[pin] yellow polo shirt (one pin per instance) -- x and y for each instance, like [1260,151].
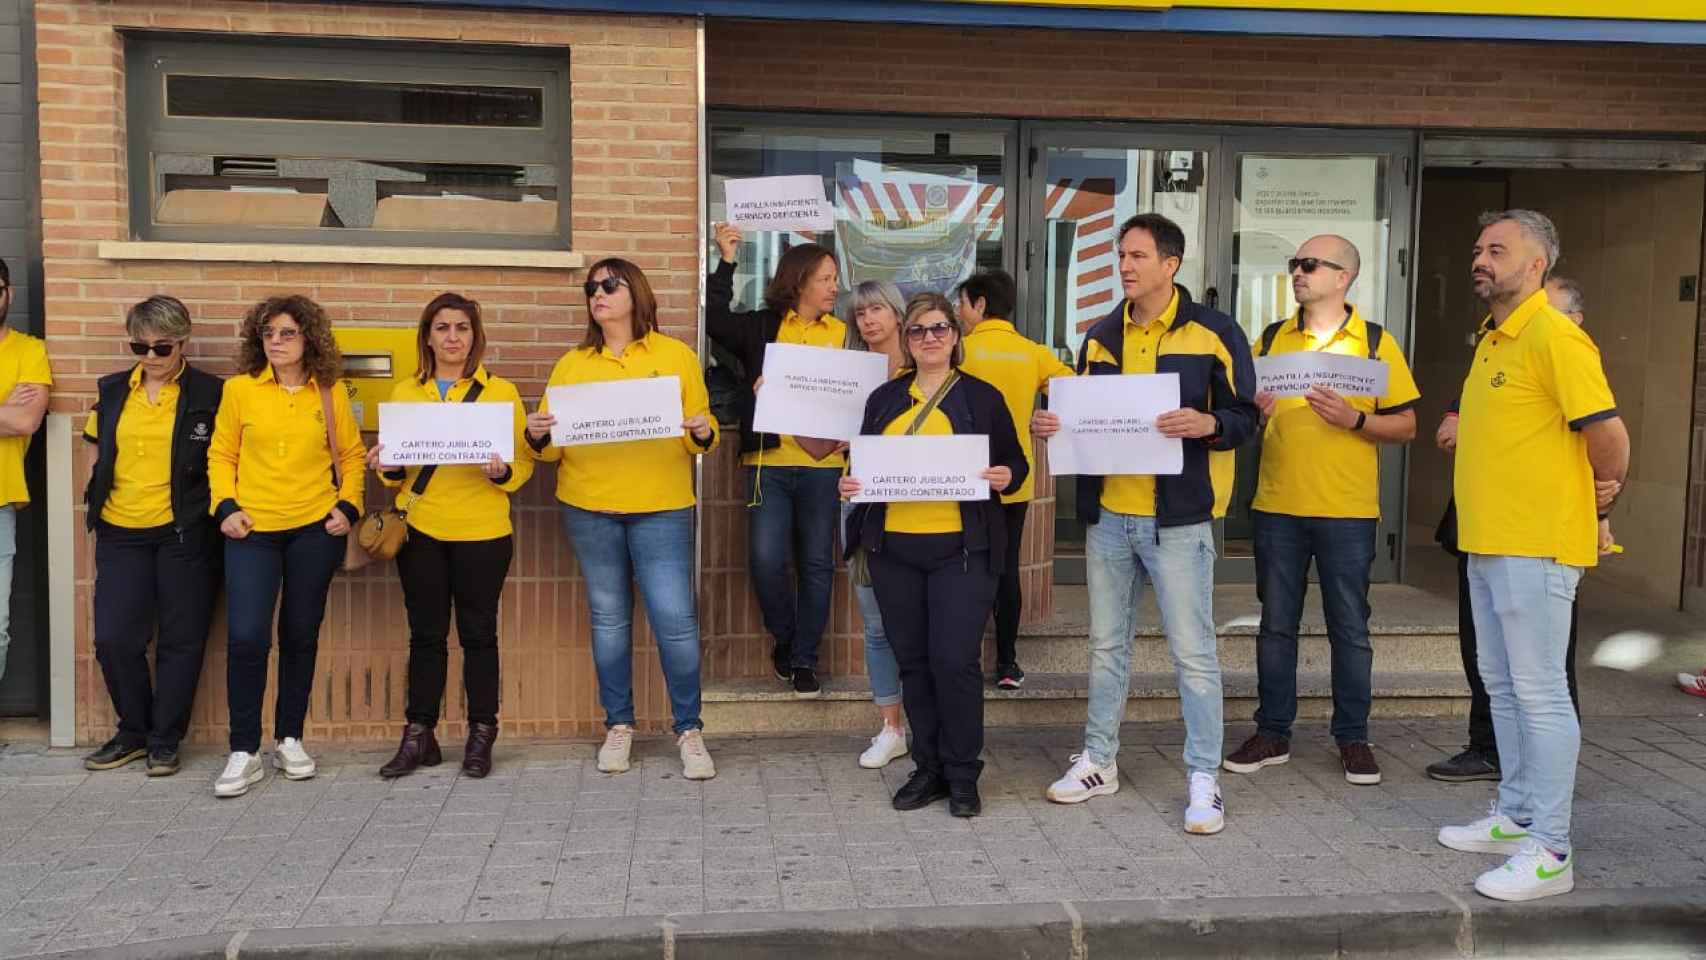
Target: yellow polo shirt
[825,331]
[23,359]
[1135,495]
[269,452]
[1523,483]
[1311,468]
[923,516]
[638,476]
[1020,368]
[460,502]
[141,496]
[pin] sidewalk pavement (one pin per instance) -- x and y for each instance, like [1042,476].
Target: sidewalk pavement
[93,860]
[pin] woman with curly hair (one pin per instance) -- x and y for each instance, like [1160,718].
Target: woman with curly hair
[285,503]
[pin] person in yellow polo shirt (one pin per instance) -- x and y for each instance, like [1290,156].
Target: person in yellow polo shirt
[1318,499]
[628,511]
[934,564]
[24,382]
[793,507]
[285,505]
[460,540]
[1020,368]
[156,549]
[1539,428]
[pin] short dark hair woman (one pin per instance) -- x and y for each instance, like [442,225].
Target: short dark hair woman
[934,564]
[156,550]
[285,504]
[460,540]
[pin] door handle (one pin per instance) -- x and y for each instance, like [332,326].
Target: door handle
[1211,298]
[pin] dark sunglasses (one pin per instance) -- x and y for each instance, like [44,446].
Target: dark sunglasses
[162,349]
[608,285]
[938,331]
[1308,264]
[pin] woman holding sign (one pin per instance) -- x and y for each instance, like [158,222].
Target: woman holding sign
[460,540]
[628,504]
[935,564]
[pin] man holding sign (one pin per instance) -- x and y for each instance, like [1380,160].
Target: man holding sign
[1318,497]
[1160,525]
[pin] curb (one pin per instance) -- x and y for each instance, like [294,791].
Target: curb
[1646,923]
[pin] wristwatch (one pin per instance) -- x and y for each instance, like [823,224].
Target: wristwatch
[1362,418]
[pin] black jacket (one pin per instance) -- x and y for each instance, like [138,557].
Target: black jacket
[972,407]
[1209,352]
[192,430]
[745,335]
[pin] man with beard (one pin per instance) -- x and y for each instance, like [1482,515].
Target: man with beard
[1318,498]
[24,382]
[1538,428]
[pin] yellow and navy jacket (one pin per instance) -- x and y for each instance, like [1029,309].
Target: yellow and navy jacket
[192,434]
[1211,355]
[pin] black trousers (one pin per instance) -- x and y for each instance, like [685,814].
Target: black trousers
[469,575]
[1480,708]
[143,578]
[935,598]
[1009,593]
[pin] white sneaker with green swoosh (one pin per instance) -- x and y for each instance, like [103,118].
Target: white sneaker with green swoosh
[1533,873]
[1493,833]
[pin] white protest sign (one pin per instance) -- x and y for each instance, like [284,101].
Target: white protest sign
[422,433]
[1292,374]
[779,203]
[1107,425]
[920,468]
[816,391]
[615,411]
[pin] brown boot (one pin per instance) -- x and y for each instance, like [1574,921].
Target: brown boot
[477,757]
[418,749]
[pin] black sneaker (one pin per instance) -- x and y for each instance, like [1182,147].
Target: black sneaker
[1009,677]
[806,686]
[963,800]
[113,754]
[782,661]
[921,790]
[1471,764]
[163,761]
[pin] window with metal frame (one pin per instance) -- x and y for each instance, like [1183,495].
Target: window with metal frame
[262,140]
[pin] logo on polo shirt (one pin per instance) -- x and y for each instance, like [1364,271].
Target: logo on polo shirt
[1499,379]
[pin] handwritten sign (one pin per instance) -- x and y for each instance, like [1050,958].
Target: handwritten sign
[1292,374]
[920,468]
[615,411]
[1107,425]
[779,203]
[421,433]
[816,391]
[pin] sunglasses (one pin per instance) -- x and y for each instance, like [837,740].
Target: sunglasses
[285,334]
[1308,264]
[162,349]
[608,285]
[938,331]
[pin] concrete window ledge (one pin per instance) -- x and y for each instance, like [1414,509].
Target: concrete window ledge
[315,253]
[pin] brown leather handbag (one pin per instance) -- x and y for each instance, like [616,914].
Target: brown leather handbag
[383,531]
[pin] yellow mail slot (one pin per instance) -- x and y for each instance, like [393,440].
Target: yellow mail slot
[376,359]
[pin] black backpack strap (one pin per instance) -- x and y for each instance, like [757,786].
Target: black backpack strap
[425,476]
[1269,333]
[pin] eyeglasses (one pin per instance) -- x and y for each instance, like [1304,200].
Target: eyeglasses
[1308,264]
[285,334]
[161,348]
[608,285]
[937,331]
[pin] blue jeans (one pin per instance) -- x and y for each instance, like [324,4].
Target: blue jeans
[1343,550]
[301,562]
[1522,623]
[880,665]
[795,516]
[656,549]
[1119,551]
[8,551]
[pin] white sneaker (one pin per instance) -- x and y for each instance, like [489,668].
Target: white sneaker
[289,757]
[1084,780]
[242,771]
[888,745]
[1533,873]
[1206,812]
[613,756]
[1493,833]
[695,759]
